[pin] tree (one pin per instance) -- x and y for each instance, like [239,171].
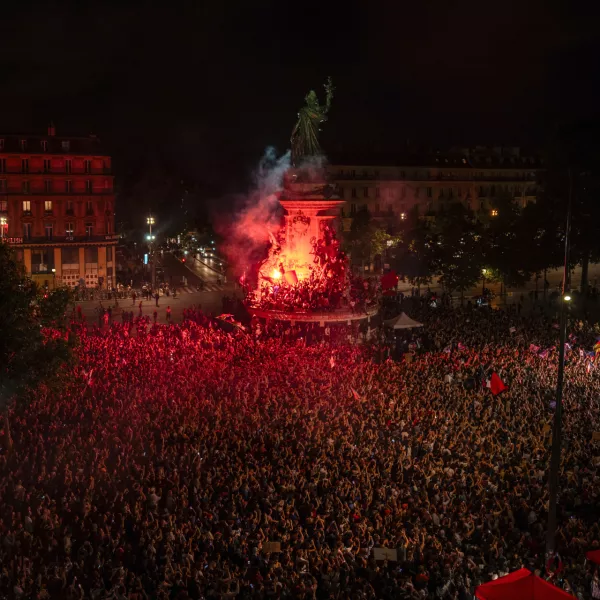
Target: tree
[27,356]
[573,170]
[360,237]
[505,248]
[419,255]
[461,260]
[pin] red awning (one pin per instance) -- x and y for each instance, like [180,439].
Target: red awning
[520,585]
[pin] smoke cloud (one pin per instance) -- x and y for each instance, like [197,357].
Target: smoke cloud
[256,216]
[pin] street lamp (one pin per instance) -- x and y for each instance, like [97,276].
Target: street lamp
[483,273]
[150,221]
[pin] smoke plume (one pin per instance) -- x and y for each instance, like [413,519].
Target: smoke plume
[256,216]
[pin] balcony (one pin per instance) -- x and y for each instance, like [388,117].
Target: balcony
[64,239]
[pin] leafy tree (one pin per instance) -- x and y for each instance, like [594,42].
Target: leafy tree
[573,169]
[26,355]
[461,258]
[419,256]
[360,237]
[506,244]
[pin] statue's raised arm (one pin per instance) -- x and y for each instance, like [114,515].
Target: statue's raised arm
[305,136]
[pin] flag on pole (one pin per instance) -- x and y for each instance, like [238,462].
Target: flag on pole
[356,395]
[533,348]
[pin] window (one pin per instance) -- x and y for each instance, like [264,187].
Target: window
[69,229]
[68,164]
[354,192]
[47,165]
[48,206]
[44,145]
[88,166]
[49,229]
[2,144]
[429,192]
[366,192]
[48,185]
[493,190]
[25,165]
[66,145]
[3,206]
[377,192]
[450,192]
[70,207]
[352,209]
[2,185]
[23,144]
[89,208]
[353,173]
[403,193]
[27,206]
[89,229]
[88,186]
[341,192]
[25,187]
[441,192]
[68,186]
[2,165]
[377,207]
[109,254]
[27,231]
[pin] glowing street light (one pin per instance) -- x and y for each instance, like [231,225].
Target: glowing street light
[483,274]
[494,213]
[567,298]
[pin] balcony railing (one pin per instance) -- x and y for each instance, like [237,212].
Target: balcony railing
[66,239]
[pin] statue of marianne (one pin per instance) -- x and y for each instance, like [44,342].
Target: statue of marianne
[305,136]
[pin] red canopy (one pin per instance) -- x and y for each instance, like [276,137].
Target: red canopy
[594,556]
[520,585]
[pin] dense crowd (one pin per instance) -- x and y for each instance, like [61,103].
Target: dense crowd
[183,462]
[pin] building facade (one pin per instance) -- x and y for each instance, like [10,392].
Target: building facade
[57,208]
[430,183]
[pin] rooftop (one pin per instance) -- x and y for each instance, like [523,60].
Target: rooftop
[32,144]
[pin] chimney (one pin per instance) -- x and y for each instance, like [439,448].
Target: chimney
[51,130]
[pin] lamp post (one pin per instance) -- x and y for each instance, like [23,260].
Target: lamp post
[557,425]
[483,273]
[150,221]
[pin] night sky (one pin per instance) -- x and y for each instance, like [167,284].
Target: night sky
[205,86]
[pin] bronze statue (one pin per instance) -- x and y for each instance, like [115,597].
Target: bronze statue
[305,136]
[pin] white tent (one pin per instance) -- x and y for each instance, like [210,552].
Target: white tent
[402,321]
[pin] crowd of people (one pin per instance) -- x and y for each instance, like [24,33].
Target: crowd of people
[186,462]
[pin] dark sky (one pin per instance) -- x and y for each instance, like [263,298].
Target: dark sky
[209,84]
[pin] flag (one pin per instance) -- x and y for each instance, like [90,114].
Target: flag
[355,394]
[496,384]
[588,367]
[447,349]
[597,347]
[461,346]
[512,329]
[543,353]
[332,361]
[533,348]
